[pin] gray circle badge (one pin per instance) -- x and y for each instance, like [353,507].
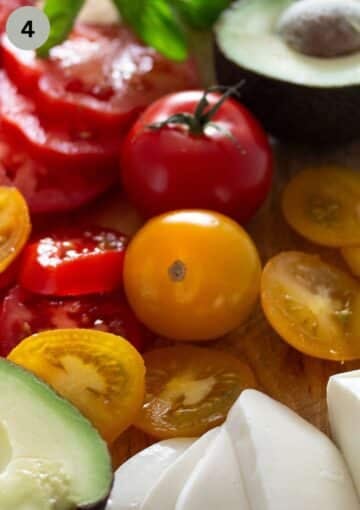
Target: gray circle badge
[28,28]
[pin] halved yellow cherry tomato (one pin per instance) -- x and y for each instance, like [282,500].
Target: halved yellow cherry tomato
[351,255]
[189,390]
[100,373]
[323,205]
[15,225]
[314,306]
[192,275]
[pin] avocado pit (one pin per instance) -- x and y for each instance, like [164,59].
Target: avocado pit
[322,28]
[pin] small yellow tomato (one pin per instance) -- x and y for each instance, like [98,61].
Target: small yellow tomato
[313,306]
[190,390]
[322,205]
[192,275]
[15,225]
[100,373]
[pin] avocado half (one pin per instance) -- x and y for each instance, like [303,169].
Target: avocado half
[50,455]
[296,96]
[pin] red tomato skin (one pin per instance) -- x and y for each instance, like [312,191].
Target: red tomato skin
[91,273]
[9,276]
[110,83]
[23,70]
[46,188]
[229,169]
[53,144]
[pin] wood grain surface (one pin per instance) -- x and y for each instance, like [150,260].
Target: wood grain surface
[283,373]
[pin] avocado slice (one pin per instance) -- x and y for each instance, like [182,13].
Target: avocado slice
[51,458]
[297,94]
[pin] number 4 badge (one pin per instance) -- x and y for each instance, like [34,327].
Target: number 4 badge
[28,28]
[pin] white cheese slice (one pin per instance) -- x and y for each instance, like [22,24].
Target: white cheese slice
[166,492]
[216,481]
[135,479]
[344,414]
[286,463]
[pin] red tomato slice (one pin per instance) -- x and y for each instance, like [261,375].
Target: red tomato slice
[23,314]
[48,190]
[102,75]
[74,262]
[9,276]
[54,144]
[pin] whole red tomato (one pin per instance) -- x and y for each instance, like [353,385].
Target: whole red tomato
[196,150]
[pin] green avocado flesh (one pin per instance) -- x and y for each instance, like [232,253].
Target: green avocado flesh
[51,458]
[248,35]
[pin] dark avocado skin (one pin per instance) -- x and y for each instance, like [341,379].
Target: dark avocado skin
[316,116]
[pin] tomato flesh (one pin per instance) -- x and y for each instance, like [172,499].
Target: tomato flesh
[227,168]
[45,188]
[313,306]
[351,256]
[100,373]
[190,390]
[101,76]
[74,262]
[51,143]
[23,314]
[322,204]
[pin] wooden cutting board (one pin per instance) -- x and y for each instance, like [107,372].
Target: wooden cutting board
[283,373]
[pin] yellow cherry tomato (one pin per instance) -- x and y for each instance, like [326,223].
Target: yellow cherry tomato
[192,275]
[351,255]
[190,390]
[15,225]
[322,205]
[314,306]
[100,373]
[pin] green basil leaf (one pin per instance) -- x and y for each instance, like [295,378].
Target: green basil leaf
[156,24]
[200,14]
[62,15]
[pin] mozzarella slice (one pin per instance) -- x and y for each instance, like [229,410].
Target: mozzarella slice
[135,479]
[166,491]
[287,463]
[344,414]
[216,481]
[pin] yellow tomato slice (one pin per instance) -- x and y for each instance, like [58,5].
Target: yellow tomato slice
[313,306]
[192,275]
[15,225]
[323,205]
[189,390]
[351,255]
[100,373]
